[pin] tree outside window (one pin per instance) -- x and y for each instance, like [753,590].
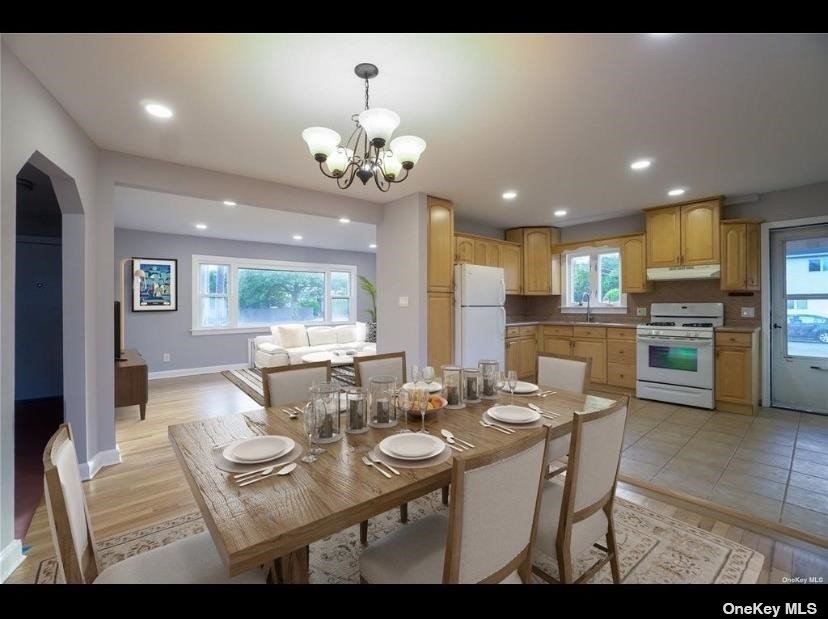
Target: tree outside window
[595,272]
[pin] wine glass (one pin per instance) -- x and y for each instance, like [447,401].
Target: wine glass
[405,402]
[415,374]
[499,382]
[309,419]
[422,400]
[428,374]
[511,378]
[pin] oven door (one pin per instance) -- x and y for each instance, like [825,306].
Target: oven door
[675,361]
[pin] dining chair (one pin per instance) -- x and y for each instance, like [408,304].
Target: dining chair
[577,512]
[289,384]
[489,531]
[193,559]
[567,374]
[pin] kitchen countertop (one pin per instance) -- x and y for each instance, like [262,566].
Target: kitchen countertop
[622,325]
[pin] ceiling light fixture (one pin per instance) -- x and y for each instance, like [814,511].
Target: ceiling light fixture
[344,220]
[158,110]
[560,212]
[229,203]
[372,246]
[201,226]
[510,195]
[365,154]
[678,191]
[297,237]
[660,34]
[641,164]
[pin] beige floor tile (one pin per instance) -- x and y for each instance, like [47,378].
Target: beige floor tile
[684,483]
[808,499]
[773,473]
[775,436]
[812,432]
[771,448]
[629,441]
[665,447]
[707,471]
[685,419]
[813,420]
[634,468]
[667,436]
[704,455]
[813,444]
[765,412]
[712,447]
[807,467]
[748,502]
[714,436]
[810,456]
[653,412]
[751,483]
[678,429]
[763,457]
[647,455]
[809,482]
[731,418]
[638,424]
[805,519]
[726,427]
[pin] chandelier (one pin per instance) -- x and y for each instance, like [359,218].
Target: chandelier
[365,154]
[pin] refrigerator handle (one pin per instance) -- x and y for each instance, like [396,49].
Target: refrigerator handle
[503,292]
[503,322]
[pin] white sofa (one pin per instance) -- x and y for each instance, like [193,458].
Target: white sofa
[287,344]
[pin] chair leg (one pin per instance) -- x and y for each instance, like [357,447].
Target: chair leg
[564,566]
[363,532]
[404,513]
[445,495]
[613,549]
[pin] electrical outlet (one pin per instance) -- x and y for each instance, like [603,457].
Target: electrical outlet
[403,301]
[640,311]
[748,312]
[166,357]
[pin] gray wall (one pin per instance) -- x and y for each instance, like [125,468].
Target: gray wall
[470,226]
[795,203]
[154,334]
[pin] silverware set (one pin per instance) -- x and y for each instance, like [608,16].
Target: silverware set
[251,477]
[498,427]
[292,411]
[457,444]
[372,460]
[543,412]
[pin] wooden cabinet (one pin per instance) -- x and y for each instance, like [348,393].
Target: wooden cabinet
[621,357]
[463,249]
[558,345]
[555,285]
[740,255]
[596,350]
[521,351]
[131,382]
[528,355]
[513,355]
[634,264]
[537,255]
[440,245]
[492,253]
[683,234]
[510,261]
[737,372]
[440,329]
[486,253]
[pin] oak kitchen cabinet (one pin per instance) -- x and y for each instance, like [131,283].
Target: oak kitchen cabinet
[740,254]
[463,249]
[494,253]
[486,253]
[683,234]
[511,260]
[737,372]
[634,264]
[440,282]
[521,351]
[440,329]
[537,257]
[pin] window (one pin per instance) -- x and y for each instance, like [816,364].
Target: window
[593,273]
[801,304]
[817,264]
[239,293]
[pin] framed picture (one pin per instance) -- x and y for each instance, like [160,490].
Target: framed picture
[156,290]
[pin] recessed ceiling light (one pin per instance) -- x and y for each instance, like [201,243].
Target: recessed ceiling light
[372,246]
[560,212]
[158,110]
[660,34]
[201,226]
[678,191]
[510,195]
[297,237]
[641,164]
[229,203]
[344,220]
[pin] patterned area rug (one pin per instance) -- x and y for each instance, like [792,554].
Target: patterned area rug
[249,380]
[653,549]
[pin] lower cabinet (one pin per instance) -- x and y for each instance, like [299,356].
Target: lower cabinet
[528,355]
[440,329]
[522,351]
[558,346]
[737,372]
[596,350]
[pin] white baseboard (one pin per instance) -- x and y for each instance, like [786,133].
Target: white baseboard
[213,369]
[10,557]
[98,461]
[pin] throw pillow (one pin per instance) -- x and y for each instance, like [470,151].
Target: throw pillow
[346,334]
[317,336]
[293,336]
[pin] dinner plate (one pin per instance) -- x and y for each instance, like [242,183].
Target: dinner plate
[258,449]
[511,413]
[411,446]
[433,386]
[521,387]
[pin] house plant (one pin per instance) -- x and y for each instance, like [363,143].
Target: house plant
[371,325]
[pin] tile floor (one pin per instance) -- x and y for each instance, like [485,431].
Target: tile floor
[773,465]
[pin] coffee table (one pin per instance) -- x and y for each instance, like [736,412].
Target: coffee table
[329,355]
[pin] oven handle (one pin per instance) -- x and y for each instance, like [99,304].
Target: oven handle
[673,340]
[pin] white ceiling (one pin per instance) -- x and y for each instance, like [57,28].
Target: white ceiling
[556,117]
[139,209]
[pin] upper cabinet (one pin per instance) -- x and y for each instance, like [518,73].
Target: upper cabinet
[510,260]
[492,253]
[634,264]
[537,257]
[486,253]
[740,254]
[440,245]
[683,234]
[463,249]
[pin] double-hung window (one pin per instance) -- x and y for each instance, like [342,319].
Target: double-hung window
[592,274]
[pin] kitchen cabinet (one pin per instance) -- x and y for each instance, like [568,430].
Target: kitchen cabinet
[737,372]
[521,351]
[596,350]
[510,261]
[486,253]
[537,257]
[555,285]
[493,253]
[463,249]
[634,264]
[621,357]
[440,243]
[440,329]
[740,255]
[683,234]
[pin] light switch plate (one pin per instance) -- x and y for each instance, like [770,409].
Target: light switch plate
[641,311]
[403,302]
[166,357]
[748,312]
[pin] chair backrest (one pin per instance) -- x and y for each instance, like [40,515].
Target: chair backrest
[68,514]
[495,496]
[389,364]
[289,384]
[565,373]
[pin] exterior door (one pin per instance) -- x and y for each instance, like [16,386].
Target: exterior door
[799,318]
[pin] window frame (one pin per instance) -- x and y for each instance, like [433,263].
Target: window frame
[270,265]
[594,253]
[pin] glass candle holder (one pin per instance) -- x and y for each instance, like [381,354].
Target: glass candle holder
[452,386]
[356,411]
[324,406]
[471,385]
[489,369]
[382,392]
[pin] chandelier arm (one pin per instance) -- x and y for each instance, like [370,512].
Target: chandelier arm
[321,169]
[350,180]
[379,185]
[399,180]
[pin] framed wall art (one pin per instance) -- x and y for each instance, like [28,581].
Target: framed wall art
[155,285]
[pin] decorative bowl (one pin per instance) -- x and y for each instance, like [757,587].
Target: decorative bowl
[439,403]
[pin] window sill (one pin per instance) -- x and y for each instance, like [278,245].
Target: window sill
[229,330]
[594,310]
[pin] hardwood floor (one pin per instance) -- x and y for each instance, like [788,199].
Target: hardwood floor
[149,485]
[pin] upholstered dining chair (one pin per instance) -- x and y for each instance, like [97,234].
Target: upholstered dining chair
[387,364]
[567,374]
[193,559]
[289,384]
[577,512]
[488,533]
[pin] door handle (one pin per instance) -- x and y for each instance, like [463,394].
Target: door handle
[776,325]
[816,367]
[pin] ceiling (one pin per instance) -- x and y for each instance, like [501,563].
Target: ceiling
[558,118]
[139,209]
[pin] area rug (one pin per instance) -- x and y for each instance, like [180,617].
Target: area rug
[653,548]
[249,380]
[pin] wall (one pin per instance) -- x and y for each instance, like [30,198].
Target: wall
[798,202]
[153,334]
[470,226]
[629,224]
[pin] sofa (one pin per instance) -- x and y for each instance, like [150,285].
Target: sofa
[287,344]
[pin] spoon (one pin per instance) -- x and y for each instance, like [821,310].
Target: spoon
[285,470]
[494,427]
[369,463]
[267,470]
[451,437]
[290,413]
[543,412]
[454,444]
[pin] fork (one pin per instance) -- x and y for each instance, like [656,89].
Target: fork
[290,413]
[369,463]
[494,427]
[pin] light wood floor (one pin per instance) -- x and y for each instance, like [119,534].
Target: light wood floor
[149,486]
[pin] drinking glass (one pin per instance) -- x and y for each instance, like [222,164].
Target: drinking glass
[415,374]
[405,401]
[422,400]
[428,374]
[511,378]
[499,382]
[310,419]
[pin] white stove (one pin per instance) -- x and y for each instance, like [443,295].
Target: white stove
[675,353]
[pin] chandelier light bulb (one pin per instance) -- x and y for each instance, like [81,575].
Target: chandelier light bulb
[391,165]
[408,148]
[338,160]
[321,141]
[379,124]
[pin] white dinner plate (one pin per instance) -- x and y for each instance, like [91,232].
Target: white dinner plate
[258,449]
[511,413]
[411,446]
[433,387]
[521,387]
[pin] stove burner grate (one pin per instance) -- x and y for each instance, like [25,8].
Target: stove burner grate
[661,324]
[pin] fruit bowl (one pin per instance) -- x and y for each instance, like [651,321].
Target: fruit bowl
[436,404]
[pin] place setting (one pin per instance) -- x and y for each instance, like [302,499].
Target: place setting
[407,450]
[256,458]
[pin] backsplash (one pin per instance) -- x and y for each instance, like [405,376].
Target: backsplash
[688,291]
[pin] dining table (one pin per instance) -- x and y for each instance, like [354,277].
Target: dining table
[272,522]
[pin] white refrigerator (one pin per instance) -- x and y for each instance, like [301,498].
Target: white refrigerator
[479,315]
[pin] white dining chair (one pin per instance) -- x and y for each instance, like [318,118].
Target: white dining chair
[289,384]
[488,534]
[193,559]
[576,513]
[387,364]
[567,374]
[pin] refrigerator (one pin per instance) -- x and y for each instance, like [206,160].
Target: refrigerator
[479,314]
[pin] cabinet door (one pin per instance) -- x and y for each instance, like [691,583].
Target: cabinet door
[733,254]
[463,249]
[733,374]
[486,253]
[440,245]
[597,351]
[633,265]
[528,354]
[557,346]
[663,237]
[752,257]
[536,261]
[510,262]
[513,355]
[555,276]
[700,233]
[440,329]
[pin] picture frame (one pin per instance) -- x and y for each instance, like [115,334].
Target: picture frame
[157,290]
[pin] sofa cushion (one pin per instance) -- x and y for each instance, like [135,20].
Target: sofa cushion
[319,336]
[269,347]
[292,336]
[274,332]
[361,331]
[346,333]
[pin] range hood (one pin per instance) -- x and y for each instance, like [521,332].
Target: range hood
[701,271]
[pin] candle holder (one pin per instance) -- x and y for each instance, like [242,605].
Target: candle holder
[489,370]
[382,392]
[452,386]
[324,406]
[471,385]
[356,412]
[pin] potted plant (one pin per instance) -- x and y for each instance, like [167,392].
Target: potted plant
[368,286]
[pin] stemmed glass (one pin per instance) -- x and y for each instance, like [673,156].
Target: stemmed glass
[422,400]
[500,382]
[415,374]
[310,420]
[405,402]
[428,374]
[511,378]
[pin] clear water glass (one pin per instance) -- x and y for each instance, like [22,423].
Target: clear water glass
[428,374]
[405,401]
[511,378]
[310,419]
[422,401]
[415,374]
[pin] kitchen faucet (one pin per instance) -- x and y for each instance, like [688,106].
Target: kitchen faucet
[589,312]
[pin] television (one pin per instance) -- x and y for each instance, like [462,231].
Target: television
[117,321]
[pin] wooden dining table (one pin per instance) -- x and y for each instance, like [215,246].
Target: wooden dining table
[272,522]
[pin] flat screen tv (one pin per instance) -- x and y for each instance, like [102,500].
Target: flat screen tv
[118,331]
